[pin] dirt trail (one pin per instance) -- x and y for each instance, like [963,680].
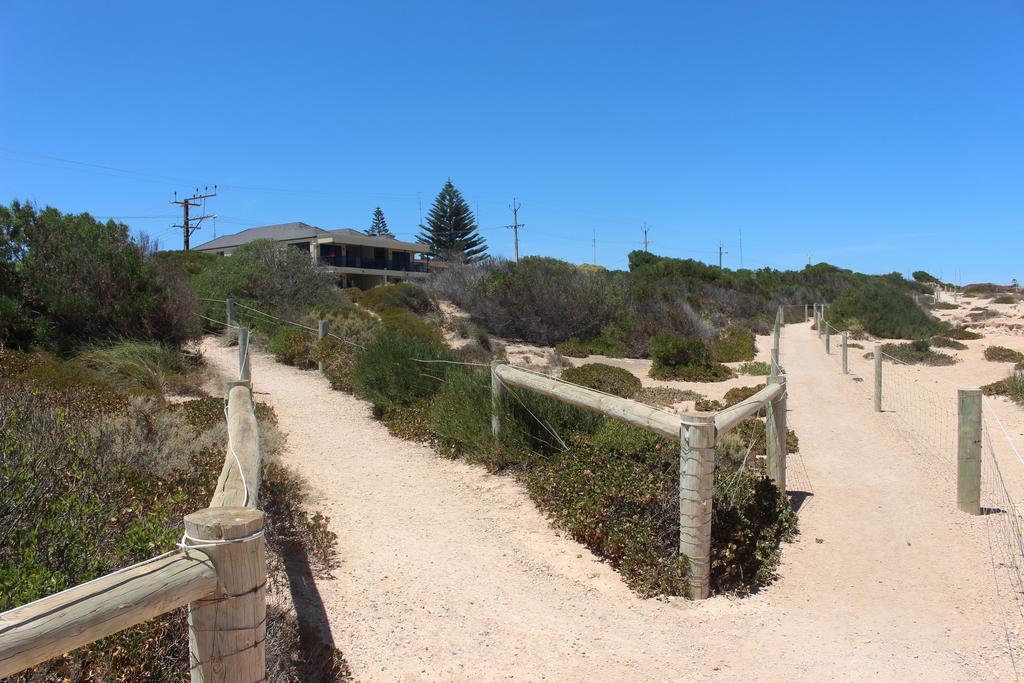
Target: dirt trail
[447,572]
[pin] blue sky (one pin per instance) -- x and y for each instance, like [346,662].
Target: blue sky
[876,136]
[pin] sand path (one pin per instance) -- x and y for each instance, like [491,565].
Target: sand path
[447,572]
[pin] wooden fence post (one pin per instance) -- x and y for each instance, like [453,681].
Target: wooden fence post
[696,497]
[231,312]
[226,631]
[775,438]
[497,400]
[805,312]
[321,334]
[878,378]
[244,373]
[821,319]
[775,343]
[968,479]
[828,340]
[846,354]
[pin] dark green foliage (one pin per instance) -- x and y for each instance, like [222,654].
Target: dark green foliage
[606,378]
[294,346]
[963,334]
[405,296]
[68,279]
[686,358]
[925,277]
[450,231]
[885,311]
[917,352]
[734,344]
[391,370]
[944,306]
[706,405]
[739,394]
[571,348]
[411,422]
[379,226]
[1001,354]
[1005,299]
[190,263]
[461,418]
[982,288]
[749,521]
[350,330]
[947,343]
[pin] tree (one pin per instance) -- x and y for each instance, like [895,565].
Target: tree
[379,227]
[450,231]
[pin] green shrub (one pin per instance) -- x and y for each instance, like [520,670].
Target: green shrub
[947,343]
[461,419]
[755,368]
[963,334]
[706,405]
[572,348]
[944,306]
[665,396]
[1001,354]
[917,352]
[734,344]
[411,422]
[884,309]
[739,394]
[402,322]
[606,378]
[391,370]
[404,295]
[349,331]
[294,346]
[1005,299]
[138,366]
[686,358]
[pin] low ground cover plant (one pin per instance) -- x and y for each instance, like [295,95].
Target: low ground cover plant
[572,348]
[734,344]
[1011,387]
[1002,354]
[606,378]
[755,367]
[665,396]
[963,334]
[917,352]
[947,343]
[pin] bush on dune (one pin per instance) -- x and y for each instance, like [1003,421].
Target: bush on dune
[605,378]
[688,359]
[404,295]
[1001,354]
[917,352]
[884,310]
[139,366]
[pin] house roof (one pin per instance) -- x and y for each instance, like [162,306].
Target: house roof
[283,231]
[298,230]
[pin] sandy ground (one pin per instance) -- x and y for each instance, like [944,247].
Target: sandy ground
[449,573]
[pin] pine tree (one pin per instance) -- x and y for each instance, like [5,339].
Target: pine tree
[450,231]
[379,227]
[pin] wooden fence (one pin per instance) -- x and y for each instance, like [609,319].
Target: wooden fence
[697,433]
[218,570]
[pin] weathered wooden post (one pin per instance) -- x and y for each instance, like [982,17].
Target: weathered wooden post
[497,399]
[821,318]
[775,343]
[243,355]
[846,353]
[227,630]
[696,497]
[968,479]
[828,340]
[805,312]
[231,312]
[321,334]
[878,378]
[775,437]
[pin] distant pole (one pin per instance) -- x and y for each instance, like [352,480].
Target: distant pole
[846,362]
[721,251]
[231,312]
[595,246]
[645,229]
[968,480]
[878,378]
[321,334]
[515,206]
[187,221]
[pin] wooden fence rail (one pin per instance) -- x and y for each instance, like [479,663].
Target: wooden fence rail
[219,571]
[697,434]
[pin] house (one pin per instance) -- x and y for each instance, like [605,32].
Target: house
[357,259]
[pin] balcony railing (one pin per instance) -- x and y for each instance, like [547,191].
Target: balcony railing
[374,264]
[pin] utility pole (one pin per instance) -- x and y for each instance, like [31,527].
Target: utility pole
[646,241]
[191,224]
[721,251]
[515,206]
[595,246]
[741,248]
